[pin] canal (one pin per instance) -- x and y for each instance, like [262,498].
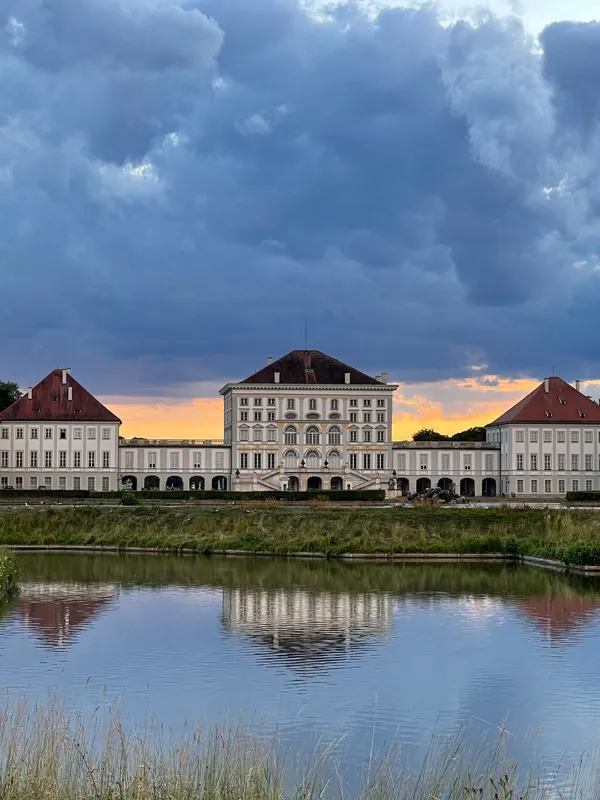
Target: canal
[368,654]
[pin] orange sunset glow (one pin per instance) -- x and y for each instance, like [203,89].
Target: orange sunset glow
[446,406]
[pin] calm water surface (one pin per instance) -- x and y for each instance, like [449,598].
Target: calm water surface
[370,652]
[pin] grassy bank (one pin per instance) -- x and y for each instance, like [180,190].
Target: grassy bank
[46,754]
[8,575]
[568,535]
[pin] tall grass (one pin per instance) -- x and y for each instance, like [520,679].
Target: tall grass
[46,754]
[8,574]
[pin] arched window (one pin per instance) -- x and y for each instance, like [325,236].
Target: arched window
[335,459]
[312,459]
[334,436]
[290,435]
[291,459]
[312,435]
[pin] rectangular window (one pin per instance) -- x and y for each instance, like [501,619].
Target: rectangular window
[91,433]
[547,437]
[560,437]
[561,458]
[312,404]
[548,487]
[258,401]
[62,482]
[48,482]
[381,436]
[33,483]
[243,434]
[271,401]
[381,403]
[258,416]
[353,402]
[574,437]
[197,460]
[76,484]
[367,436]
[19,459]
[91,484]
[520,458]
[353,460]
[575,485]
[520,486]
[33,459]
[151,460]
[91,459]
[4,482]
[270,416]
[272,435]
[445,462]
[291,403]
[489,462]
[367,416]
[19,433]
[367,403]
[366,460]
[62,459]
[62,433]
[106,459]
[520,436]
[401,459]
[534,486]
[380,416]
[77,459]
[128,460]
[468,461]
[105,436]
[4,459]
[174,462]
[47,433]
[19,482]
[334,405]
[353,416]
[48,459]
[243,401]
[589,464]
[574,462]
[257,460]
[77,433]
[561,487]
[533,462]
[353,436]
[220,460]
[423,460]
[4,433]
[589,485]
[533,436]
[257,434]
[243,416]
[33,433]
[105,484]
[270,460]
[380,460]
[547,460]
[243,460]
[589,437]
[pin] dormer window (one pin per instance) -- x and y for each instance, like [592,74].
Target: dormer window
[581,414]
[548,413]
[562,401]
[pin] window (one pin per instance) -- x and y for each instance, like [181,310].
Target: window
[423,460]
[313,436]
[152,460]
[19,459]
[105,436]
[174,461]
[547,437]
[533,462]
[34,433]
[401,460]
[353,416]
[257,434]
[129,460]
[243,434]
[366,460]
[520,458]
[48,459]
[560,437]
[334,405]
[62,433]
[4,482]
[334,436]
[270,416]
[353,436]
[589,485]
[290,435]
[353,461]
[561,487]
[257,460]
[91,459]
[547,461]
[380,460]
[220,460]
[381,403]
[77,433]
[589,437]
[62,482]
[258,401]
[197,460]
[548,487]
[62,459]
[243,401]
[91,484]
[33,483]
[367,416]
[575,485]
[533,436]
[367,403]
[574,462]
[520,436]
[105,484]
[380,416]
[534,486]
[445,462]
[91,433]
[19,433]
[381,436]
[574,437]
[589,465]
[489,462]
[468,461]
[271,401]
[291,403]
[19,482]
[243,460]
[258,416]
[312,404]
[270,460]
[243,416]
[33,459]
[47,433]
[106,459]
[4,433]
[4,459]
[353,402]
[561,458]
[48,482]
[367,435]
[77,459]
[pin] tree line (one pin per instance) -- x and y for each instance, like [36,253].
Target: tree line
[470,435]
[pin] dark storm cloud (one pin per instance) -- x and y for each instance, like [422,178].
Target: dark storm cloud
[182,182]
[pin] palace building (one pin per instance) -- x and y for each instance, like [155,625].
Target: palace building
[304,421]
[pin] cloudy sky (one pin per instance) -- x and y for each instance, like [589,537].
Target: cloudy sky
[184,182]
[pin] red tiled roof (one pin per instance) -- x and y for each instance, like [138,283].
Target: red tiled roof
[561,404]
[50,402]
[311,367]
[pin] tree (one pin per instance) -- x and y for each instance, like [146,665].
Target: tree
[470,435]
[428,435]
[9,393]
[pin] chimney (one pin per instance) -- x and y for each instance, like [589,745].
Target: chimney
[578,385]
[269,361]
[65,372]
[378,378]
[547,385]
[70,393]
[384,377]
[346,377]
[30,393]
[276,376]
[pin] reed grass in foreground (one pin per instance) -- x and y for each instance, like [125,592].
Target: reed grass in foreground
[47,755]
[8,574]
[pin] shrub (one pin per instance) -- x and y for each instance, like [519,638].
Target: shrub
[583,497]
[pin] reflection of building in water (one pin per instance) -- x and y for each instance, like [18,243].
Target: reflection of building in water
[57,612]
[559,617]
[308,627]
